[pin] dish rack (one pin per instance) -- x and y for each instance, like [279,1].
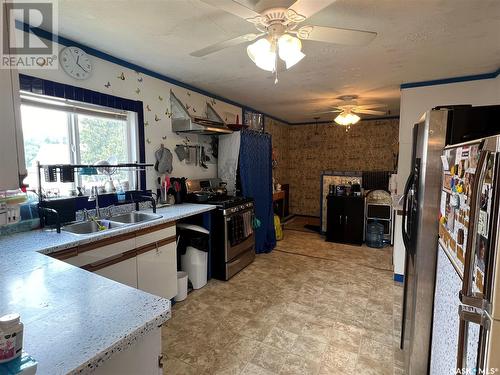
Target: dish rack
[67,172]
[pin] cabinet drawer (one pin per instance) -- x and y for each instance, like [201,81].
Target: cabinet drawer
[65,254]
[92,256]
[154,234]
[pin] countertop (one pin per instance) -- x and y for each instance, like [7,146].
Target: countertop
[73,319]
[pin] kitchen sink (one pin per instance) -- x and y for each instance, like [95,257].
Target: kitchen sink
[134,218]
[88,227]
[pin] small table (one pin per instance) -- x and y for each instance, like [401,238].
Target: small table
[279,203]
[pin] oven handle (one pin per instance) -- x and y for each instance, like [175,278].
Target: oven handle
[237,212]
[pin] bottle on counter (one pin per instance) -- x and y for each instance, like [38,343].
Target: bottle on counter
[11,337]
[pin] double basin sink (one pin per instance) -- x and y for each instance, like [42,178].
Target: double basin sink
[114,222]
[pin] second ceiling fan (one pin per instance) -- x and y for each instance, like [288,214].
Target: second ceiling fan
[349,109]
[279,34]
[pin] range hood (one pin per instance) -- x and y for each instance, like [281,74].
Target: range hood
[184,122]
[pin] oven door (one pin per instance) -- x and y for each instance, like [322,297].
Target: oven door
[238,233]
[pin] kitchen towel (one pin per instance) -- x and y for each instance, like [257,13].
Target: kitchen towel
[228,153]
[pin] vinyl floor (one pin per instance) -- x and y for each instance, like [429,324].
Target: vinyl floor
[296,310]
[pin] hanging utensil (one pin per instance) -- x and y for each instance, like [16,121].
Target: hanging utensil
[202,158]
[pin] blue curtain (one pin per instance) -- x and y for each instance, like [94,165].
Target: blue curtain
[256,182]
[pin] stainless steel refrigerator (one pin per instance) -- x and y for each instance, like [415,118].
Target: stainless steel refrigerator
[420,234]
[466,318]
[432,326]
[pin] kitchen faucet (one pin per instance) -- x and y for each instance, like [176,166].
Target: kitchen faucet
[94,196]
[45,211]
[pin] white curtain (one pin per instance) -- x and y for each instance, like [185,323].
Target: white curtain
[229,151]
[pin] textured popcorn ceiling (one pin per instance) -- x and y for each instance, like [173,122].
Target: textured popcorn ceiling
[417,40]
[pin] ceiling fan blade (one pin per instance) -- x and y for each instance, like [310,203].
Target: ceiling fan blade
[233,7]
[336,35]
[322,113]
[368,112]
[370,106]
[306,8]
[225,44]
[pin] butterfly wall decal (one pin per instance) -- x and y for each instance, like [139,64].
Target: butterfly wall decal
[188,93]
[138,91]
[160,98]
[107,85]
[121,76]
[157,118]
[164,137]
[140,79]
[168,113]
[147,108]
[146,123]
[212,101]
[148,140]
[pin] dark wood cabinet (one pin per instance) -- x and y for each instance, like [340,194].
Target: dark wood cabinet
[345,218]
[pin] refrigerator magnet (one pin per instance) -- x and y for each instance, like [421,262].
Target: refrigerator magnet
[455,200]
[482,224]
[444,161]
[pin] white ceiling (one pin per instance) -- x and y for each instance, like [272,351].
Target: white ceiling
[417,40]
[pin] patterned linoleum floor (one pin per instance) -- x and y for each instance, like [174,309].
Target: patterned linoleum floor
[290,314]
[298,222]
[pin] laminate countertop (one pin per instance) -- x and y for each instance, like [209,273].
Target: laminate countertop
[75,320]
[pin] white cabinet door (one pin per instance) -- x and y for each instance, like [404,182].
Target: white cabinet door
[11,137]
[124,272]
[157,269]
[142,357]
[9,178]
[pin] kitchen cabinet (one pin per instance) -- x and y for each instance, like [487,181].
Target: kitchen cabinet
[123,271]
[103,249]
[345,219]
[145,259]
[11,135]
[141,357]
[157,268]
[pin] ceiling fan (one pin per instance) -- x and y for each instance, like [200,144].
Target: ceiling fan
[348,112]
[281,33]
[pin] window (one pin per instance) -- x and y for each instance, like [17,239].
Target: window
[63,132]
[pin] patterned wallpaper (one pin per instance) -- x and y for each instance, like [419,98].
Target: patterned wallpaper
[304,151]
[279,132]
[113,79]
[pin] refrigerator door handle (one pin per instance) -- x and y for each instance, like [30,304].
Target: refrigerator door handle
[474,315]
[409,182]
[470,313]
[475,300]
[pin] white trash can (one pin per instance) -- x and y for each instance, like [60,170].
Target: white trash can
[195,261]
[182,286]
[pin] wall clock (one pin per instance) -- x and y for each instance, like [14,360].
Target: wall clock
[75,62]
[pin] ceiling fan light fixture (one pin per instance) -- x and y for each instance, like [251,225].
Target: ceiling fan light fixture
[290,50]
[347,118]
[262,54]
